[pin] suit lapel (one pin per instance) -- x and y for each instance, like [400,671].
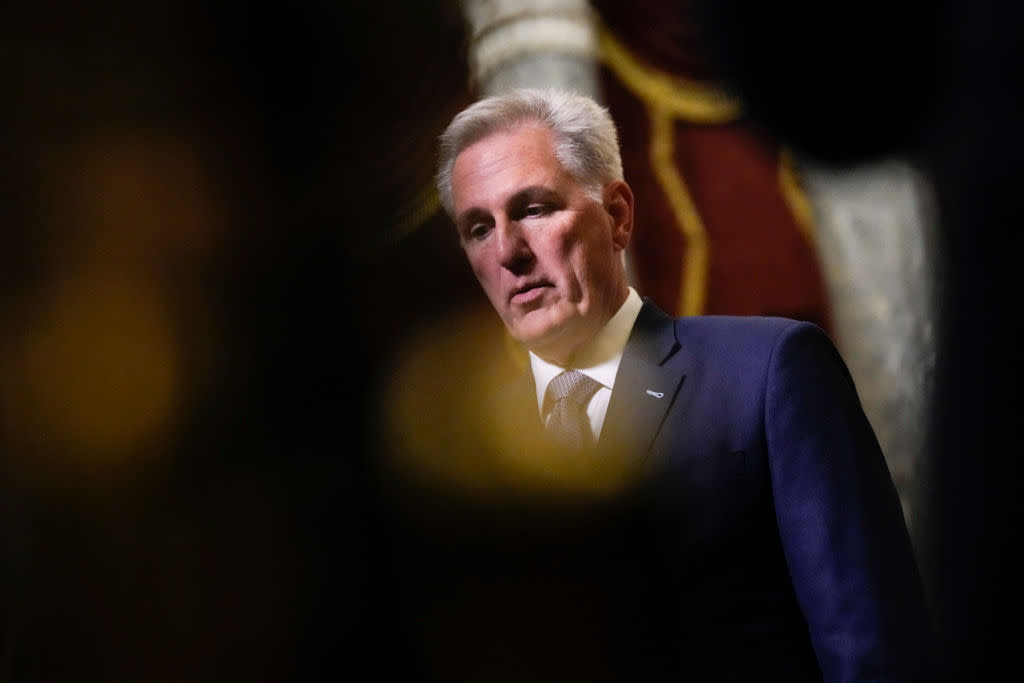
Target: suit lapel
[648,379]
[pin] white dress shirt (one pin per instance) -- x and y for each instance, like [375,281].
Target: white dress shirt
[599,360]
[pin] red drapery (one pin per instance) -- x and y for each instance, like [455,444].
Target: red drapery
[723,226]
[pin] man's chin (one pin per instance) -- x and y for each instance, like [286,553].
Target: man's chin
[542,325]
[529,339]
[545,341]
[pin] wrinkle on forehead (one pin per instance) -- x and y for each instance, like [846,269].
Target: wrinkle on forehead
[528,158]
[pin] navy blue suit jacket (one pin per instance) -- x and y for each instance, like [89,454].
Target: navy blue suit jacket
[762,538]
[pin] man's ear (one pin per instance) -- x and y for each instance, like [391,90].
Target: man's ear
[618,203]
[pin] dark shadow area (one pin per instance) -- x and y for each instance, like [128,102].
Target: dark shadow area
[200,284]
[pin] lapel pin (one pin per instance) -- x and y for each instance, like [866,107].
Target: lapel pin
[655,394]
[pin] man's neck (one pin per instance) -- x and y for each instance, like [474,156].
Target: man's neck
[596,344]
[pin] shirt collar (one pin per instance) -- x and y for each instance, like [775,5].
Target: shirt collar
[600,358]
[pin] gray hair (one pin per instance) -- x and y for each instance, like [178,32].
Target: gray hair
[586,141]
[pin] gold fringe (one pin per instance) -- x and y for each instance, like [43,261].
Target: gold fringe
[693,285]
[669,98]
[685,99]
[794,195]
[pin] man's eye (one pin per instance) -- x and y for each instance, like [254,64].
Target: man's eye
[478,231]
[535,210]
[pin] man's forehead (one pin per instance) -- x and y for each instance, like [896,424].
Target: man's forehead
[533,133]
[517,147]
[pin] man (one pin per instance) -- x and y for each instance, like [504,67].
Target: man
[759,533]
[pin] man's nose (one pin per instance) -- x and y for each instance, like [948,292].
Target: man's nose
[513,248]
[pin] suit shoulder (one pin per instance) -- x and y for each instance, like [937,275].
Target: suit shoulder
[751,341]
[731,329]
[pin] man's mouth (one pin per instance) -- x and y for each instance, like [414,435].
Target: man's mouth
[529,294]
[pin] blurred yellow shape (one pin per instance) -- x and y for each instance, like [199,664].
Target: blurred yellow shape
[95,372]
[442,420]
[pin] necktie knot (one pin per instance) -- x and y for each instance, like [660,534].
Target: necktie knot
[572,385]
[570,392]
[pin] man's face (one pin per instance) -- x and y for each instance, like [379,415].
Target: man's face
[547,254]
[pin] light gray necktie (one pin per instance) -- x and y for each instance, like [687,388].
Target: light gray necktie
[569,425]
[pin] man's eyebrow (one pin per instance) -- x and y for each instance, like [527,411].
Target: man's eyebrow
[470,215]
[532,193]
[526,195]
